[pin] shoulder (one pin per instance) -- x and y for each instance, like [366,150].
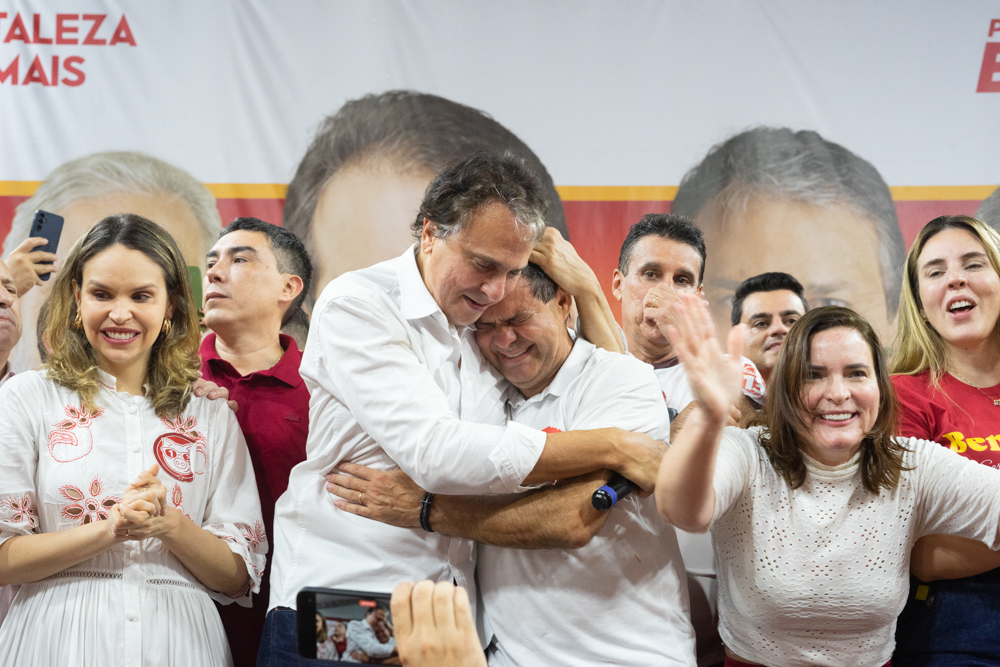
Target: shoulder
[212,416]
[364,284]
[31,386]
[613,370]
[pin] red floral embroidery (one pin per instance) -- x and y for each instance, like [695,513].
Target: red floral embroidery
[20,509]
[254,536]
[65,445]
[181,453]
[177,498]
[88,506]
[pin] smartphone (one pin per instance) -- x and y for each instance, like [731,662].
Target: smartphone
[194,273]
[323,617]
[48,226]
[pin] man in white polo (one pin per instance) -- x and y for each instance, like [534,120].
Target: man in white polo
[561,583]
[396,380]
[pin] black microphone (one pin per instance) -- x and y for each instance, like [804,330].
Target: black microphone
[608,495]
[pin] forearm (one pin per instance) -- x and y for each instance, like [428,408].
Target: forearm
[575,453]
[937,557]
[684,492]
[28,558]
[560,517]
[597,323]
[208,557]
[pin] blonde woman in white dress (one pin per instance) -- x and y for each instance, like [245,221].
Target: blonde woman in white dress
[126,503]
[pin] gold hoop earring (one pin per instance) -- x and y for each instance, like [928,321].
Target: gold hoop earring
[167,324]
[78,321]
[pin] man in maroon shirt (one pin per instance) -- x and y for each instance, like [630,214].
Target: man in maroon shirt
[257,277]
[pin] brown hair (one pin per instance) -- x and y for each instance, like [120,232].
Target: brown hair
[173,362]
[881,454]
[918,346]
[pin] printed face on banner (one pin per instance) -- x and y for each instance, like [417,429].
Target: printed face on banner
[834,253]
[364,216]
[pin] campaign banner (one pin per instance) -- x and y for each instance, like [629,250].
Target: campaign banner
[802,136]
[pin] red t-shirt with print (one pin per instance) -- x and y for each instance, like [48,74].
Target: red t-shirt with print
[954,414]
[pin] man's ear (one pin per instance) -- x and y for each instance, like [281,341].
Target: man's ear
[701,290]
[616,284]
[427,237]
[564,302]
[291,289]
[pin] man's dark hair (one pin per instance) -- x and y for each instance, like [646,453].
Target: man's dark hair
[766,282]
[542,286]
[803,167]
[415,131]
[666,225]
[483,178]
[290,253]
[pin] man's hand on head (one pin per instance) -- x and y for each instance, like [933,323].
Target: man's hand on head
[26,264]
[559,260]
[386,496]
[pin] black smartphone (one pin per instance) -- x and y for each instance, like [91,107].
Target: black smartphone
[326,616]
[48,226]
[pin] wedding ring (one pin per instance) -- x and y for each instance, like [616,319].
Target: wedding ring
[361,499]
[127,531]
[653,302]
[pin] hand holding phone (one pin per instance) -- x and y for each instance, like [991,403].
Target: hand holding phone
[49,227]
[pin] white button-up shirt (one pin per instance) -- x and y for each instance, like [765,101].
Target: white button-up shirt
[622,598]
[392,385]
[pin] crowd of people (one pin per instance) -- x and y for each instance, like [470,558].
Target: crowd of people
[449,417]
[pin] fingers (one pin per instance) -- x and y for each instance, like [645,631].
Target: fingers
[30,244]
[402,615]
[444,605]
[736,338]
[353,508]
[463,611]
[233,405]
[422,604]
[355,470]
[340,486]
[134,516]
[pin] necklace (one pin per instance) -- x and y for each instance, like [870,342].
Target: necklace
[996,401]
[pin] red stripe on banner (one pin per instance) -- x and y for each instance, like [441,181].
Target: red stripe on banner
[268,210]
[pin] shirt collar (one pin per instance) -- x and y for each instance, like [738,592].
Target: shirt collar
[415,300]
[286,370]
[669,363]
[567,373]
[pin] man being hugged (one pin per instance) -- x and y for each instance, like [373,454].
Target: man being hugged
[561,582]
[396,380]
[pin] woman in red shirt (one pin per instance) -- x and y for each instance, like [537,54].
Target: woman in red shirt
[946,366]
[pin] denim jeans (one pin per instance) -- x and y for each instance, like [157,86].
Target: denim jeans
[956,624]
[279,646]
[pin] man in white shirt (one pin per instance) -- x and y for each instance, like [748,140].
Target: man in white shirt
[10,320]
[663,256]
[369,638]
[396,380]
[561,582]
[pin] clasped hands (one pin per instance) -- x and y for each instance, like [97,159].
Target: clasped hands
[143,510]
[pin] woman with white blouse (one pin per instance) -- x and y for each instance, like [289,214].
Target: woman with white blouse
[126,503]
[814,513]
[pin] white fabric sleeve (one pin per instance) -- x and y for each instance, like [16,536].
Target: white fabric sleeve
[735,465]
[18,459]
[956,496]
[368,356]
[232,512]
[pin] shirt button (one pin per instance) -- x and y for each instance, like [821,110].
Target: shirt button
[131,409]
[134,554]
[131,616]
[135,446]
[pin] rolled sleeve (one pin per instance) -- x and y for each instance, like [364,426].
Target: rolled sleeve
[515,456]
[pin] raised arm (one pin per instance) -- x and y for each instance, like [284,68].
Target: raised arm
[559,259]
[684,492]
[559,516]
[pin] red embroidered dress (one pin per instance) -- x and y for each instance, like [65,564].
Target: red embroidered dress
[63,466]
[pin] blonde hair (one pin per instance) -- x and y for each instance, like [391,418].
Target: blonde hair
[918,347]
[173,362]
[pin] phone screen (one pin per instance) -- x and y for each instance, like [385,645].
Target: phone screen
[345,627]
